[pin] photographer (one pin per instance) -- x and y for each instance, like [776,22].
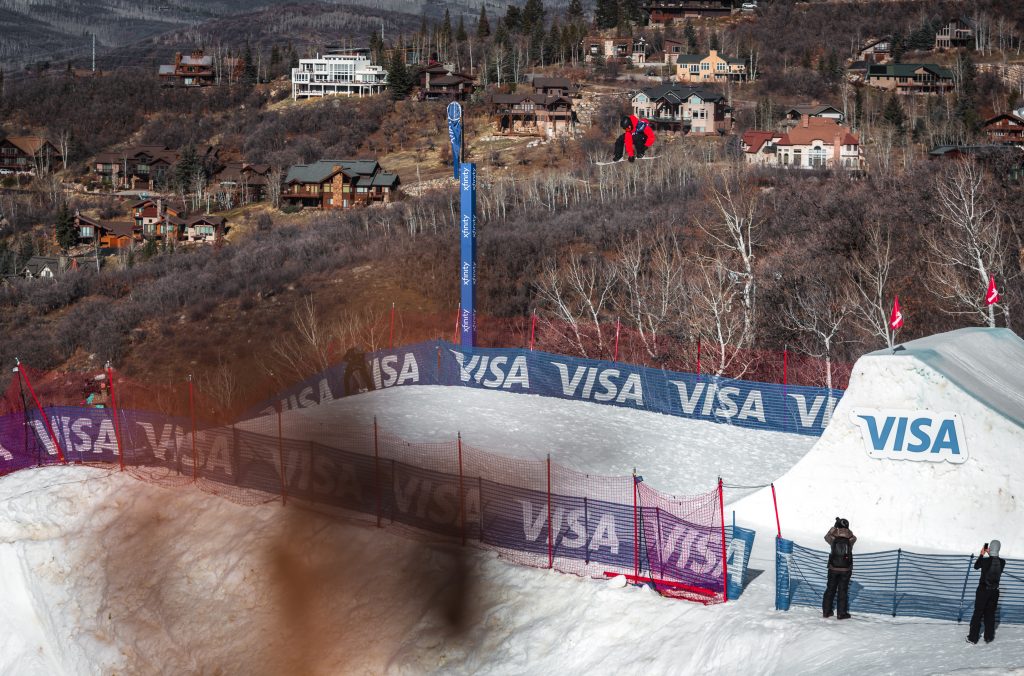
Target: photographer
[840,569]
[987,596]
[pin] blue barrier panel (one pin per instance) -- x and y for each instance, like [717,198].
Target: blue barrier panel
[783,577]
[741,542]
[899,583]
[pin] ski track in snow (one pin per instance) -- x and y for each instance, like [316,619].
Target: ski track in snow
[101,573]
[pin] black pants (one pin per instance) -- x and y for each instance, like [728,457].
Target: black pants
[357,378]
[985,601]
[837,582]
[639,148]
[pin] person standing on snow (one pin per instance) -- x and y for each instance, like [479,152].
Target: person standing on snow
[637,136]
[840,569]
[987,596]
[357,378]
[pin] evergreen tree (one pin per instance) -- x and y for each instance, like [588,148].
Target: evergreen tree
[858,107]
[575,11]
[399,78]
[275,54]
[445,34]
[483,26]
[606,13]
[967,95]
[714,43]
[553,44]
[897,46]
[501,36]
[67,234]
[533,15]
[893,114]
[537,36]
[513,19]
[691,37]
[631,10]
[186,168]
[460,32]
[249,75]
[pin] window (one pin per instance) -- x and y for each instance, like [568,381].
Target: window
[797,159]
[720,66]
[327,187]
[694,68]
[705,66]
[816,157]
[10,151]
[141,168]
[86,231]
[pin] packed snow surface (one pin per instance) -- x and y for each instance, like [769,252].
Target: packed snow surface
[101,573]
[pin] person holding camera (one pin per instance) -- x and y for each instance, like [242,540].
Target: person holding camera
[840,569]
[987,596]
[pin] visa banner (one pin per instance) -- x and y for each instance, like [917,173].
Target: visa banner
[919,436]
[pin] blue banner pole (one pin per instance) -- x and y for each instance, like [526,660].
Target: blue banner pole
[455,135]
[467,271]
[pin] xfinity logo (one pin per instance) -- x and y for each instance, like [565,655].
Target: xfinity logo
[912,435]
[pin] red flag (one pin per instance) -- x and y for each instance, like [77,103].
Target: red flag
[896,318]
[992,297]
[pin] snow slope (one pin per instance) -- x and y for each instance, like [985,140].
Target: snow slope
[977,374]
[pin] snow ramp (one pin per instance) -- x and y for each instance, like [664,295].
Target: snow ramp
[924,451]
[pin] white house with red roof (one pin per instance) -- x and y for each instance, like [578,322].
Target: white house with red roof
[814,143]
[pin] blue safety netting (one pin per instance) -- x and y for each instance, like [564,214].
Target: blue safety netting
[897,583]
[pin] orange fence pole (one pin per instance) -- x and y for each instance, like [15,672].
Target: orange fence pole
[46,419]
[725,569]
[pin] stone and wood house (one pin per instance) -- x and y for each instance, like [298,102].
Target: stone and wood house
[339,184]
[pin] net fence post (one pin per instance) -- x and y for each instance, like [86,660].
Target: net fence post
[376,470]
[775,502]
[963,592]
[280,458]
[480,506]
[46,419]
[636,530]
[192,414]
[725,564]
[462,494]
[586,529]
[551,539]
[117,423]
[896,581]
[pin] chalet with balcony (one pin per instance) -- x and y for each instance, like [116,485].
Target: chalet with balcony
[1005,128]
[339,184]
[438,82]
[876,50]
[815,143]
[192,70]
[26,154]
[957,34]
[107,234]
[698,69]
[910,78]
[556,86]
[159,220]
[532,114]
[240,183]
[598,47]
[48,267]
[673,50]
[796,113]
[204,229]
[667,12]
[680,108]
[146,164]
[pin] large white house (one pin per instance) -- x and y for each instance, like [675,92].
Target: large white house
[348,72]
[814,143]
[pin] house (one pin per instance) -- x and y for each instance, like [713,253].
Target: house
[556,86]
[532,114]
[193,70]
[666,12]
[910,78]
[339,184]
[107,234]
[876,50]
[1003,158]
[26,154]
[794,114]
[158,220]
[694,68]
[240,183]
[598,47]
[146,164]
[672,50]
[440,82]
[1005,128]
[204,228]
[48,267]
[815,143]
[956,34]
[678,107]
[338,72]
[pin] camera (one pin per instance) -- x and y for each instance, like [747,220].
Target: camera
[986,546]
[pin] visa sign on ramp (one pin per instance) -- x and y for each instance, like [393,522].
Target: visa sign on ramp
[897,434]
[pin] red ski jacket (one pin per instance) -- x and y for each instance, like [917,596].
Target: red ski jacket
[638,124]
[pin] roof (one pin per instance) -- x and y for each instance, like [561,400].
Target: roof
[813,110]
[983,150]
[677,93]
[546,82]
[907,70]
[120,228]
[197,61]
[167,69]
[320,171]
[755,139]
[1005,116]
[442,80]
[540,99]
[36,264]
[871,43]
[818,129]
[206,219]
[29,145]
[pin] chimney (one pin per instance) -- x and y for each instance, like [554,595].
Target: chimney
[177,59]
[805,121]
[837,149]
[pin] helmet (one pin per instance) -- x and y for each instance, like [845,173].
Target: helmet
[625,122]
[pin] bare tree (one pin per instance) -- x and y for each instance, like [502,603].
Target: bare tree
[576,298]
[718,316]
[969,247]
[736,235]
[817,313]
[274,178]
[870,273]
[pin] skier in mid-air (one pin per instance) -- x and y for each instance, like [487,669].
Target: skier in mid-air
[636,138]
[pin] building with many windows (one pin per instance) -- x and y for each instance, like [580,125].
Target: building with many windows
[698,69]
[815,143]
[347,72]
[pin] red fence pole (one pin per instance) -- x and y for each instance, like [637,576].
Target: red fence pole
[551,539]
[615,356]
[462,499]
[280,457]
[46,419]
[376,468]
[391,338]
[775,502]
[636,531]
[192,413]
[785,369]
[533,329]
[117,423]
[725,567]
